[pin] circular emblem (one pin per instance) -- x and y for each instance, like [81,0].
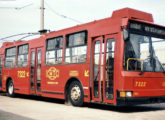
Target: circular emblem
[52,73]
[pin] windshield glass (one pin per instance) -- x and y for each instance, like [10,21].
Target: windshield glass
[144,53]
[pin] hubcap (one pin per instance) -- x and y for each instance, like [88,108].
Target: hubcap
[75,93]
[10,88]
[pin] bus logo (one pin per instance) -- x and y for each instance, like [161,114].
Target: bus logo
[52,73]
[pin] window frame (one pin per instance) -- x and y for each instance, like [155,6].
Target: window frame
[67,45]
[46,50]
[67,39]
[10,56]
[22,54]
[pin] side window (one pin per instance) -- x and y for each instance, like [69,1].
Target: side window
[10,57]
[76,48]
[22,60]
[54,51]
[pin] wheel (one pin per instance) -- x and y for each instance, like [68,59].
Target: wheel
[76,94]
[10,89]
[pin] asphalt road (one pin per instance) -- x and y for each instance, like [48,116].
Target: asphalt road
[38,108]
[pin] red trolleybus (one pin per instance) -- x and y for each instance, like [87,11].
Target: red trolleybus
[117,60]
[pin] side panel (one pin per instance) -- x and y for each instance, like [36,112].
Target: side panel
[19,72]
[21,79]
[56,77]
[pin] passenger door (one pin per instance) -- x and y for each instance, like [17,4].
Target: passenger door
[97,69]
[103,52]
[36,66]
[108,69]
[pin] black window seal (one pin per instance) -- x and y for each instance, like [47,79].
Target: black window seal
[67,38]
[46,50]
[9,56]
[54,38]
[9,48]
[22,54]
[20,46]
[66,43]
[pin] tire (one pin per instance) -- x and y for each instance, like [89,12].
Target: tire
[10,89]
[76,94]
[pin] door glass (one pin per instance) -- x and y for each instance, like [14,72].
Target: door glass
[39,70]
[0,71]
[109,68]
[32,70]
[96,69]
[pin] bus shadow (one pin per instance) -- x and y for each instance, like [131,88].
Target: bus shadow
[128,109]
[39,98]
[123,109]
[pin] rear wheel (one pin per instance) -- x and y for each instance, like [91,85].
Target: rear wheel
[10,88]
[76,94]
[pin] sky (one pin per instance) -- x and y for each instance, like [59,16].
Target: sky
[26,18]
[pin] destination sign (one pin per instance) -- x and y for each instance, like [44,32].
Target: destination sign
[152,29]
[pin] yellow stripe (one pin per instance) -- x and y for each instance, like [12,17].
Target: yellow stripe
[52,83]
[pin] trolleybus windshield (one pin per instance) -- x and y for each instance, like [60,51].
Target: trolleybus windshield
[144,48]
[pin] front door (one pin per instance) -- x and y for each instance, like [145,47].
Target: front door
[108,69]
[35,78]
[103,69]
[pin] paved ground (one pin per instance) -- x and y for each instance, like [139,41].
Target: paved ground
[38,108]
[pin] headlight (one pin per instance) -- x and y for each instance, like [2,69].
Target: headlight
[128,94]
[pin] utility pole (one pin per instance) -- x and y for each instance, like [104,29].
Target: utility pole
[42,30]
[42,15]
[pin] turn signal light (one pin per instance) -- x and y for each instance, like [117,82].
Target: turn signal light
[125,94]
[122,94]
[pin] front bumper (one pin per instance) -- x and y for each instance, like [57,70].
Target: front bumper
[139,100]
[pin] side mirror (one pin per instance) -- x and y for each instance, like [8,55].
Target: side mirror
[125,34]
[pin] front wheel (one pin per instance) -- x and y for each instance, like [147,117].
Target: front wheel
[76,94]
[10,89]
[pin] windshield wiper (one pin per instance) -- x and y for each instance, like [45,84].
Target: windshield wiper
[160,64]
[151,56]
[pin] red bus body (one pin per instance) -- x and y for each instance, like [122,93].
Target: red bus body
[55,79]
